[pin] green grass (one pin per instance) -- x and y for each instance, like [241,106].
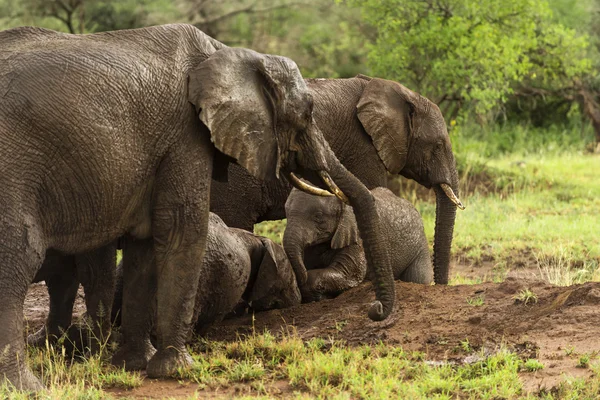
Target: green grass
[318,368]
[324,369]
[70,377]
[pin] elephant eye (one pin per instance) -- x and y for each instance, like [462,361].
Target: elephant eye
[319,216]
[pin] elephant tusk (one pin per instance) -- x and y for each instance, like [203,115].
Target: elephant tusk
[450,193]
[333,187]
[305,187]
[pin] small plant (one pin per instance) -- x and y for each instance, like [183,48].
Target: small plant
[466,346]
[584,361]
[532,365]
[476,301]
[526,296]
[569,351]
[339,325]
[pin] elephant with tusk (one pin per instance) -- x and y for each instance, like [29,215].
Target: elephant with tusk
[118,134]
[375,127]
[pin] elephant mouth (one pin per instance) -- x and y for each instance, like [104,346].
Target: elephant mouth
[450,194]
[334,190]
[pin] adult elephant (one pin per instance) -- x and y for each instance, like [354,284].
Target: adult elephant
[374,126]
[115,134]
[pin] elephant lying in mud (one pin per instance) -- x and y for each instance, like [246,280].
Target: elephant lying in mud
[322,236]
[238,269]
[375,127]
[118,134]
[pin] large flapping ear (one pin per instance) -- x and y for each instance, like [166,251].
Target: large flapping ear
[387,111]
[237,92]
[346,233]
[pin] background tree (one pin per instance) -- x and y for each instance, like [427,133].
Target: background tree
[469,56]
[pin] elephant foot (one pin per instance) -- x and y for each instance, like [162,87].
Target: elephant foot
[165,363]
[22,379]
[133,359]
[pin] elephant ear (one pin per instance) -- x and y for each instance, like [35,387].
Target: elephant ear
[236,93]
[387,111]
[346,233]
[268,271]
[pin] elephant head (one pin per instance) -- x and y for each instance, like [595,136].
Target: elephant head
[315,220]
[410,135]
[275,285]
[259,112]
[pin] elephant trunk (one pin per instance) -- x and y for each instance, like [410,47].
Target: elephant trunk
[368,222]
[294,248]
[444,228]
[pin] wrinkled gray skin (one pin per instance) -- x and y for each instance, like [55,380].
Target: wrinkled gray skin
[115,135]
[324,231]
[374,127]
[63,274]
[238,268]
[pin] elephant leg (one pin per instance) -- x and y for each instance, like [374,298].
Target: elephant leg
[346,270]
[96,271]
[22,251]
[138,297]
[420,271]
[62,290]
[179,226]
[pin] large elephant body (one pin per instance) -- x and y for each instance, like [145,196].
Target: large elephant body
[114,134]
[374,127]
[321,236]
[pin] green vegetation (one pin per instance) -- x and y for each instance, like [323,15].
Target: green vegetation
[314,369]
[532,365]
[584,361]
[526,296]
[476,301]
[74,377]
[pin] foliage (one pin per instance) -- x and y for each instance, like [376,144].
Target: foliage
[526,296]
[532,365]
[469,56]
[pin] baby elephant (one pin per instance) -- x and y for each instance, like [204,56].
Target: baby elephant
[322,236]
[238,268]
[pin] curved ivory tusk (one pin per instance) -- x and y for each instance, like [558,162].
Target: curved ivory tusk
[305,187]
[450,193]
[333,187]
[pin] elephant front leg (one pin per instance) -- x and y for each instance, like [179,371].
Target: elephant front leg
[346,270]
[137,309]
[21,254]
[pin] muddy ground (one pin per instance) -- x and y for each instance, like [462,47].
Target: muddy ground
[434,320]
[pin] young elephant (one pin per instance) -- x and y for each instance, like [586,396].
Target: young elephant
[238,267]
[321,235]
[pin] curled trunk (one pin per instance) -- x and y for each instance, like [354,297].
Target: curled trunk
[444,228]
